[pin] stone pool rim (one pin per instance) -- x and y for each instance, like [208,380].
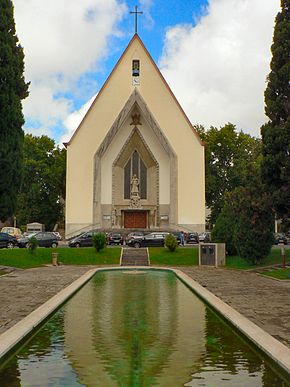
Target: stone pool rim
[270,346]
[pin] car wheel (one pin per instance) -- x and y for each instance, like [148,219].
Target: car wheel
[137,245]
[77,245]
[54,245]
[10,245]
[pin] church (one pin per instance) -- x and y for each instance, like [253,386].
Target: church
[135,161]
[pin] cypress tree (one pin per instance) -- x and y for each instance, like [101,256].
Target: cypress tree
[276,133]
[12,90]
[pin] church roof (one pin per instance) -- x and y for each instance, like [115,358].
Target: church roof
[136,37]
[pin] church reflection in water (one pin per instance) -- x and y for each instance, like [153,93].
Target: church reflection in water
[130,330]
[137,328]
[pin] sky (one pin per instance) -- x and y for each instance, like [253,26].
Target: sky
[214,54]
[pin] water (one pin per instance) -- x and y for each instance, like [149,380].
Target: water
[137,329]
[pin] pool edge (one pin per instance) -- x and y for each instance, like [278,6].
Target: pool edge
[273,348]
[18,332]
[277,351]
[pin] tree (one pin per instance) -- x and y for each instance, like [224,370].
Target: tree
[246,222]
[231,159]
[12,90]
[42,190]
[99,241]
[276,133]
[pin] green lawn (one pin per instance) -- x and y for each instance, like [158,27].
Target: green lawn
[22,258]
[186,256]
[273,258]
[182,256]
[278,273]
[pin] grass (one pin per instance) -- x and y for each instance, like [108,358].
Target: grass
[160,256]
[273,258]
[23,258]
[180,257]
[282,274]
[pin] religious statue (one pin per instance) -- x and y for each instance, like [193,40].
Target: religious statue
[134,186]
[135,196]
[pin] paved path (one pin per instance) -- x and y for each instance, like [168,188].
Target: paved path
[264,301]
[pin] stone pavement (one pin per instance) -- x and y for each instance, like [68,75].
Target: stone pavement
[264,301]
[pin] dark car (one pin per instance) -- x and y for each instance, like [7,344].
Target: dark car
[280,238]
[44,239]
[178,236]
[83,240]
[192,237]
[7,240]
[149,240]
[115,239]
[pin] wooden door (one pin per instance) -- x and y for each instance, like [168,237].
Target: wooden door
[135,219]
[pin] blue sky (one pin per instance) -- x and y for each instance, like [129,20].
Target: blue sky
[214,54]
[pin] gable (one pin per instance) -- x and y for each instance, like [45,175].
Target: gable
[119,86]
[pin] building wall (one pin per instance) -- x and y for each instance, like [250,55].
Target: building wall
[99,120]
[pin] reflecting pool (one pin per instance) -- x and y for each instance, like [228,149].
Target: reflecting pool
[143,328]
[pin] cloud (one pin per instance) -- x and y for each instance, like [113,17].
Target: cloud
[73,120]
[62,41]
[145,7]
[217,68]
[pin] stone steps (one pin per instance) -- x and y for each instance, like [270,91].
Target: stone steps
[134,257]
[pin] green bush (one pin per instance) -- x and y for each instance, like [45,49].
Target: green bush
[99,241]
[245,223]
[32,244]
[223,231]
[171,242]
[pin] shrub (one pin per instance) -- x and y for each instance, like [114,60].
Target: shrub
[245,223]
[171,242]
[99,241]
[223,231]
[33,244]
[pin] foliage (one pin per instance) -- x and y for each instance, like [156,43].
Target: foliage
[231,159]
[12,90]
[249,216]
[99,241]
[42,190]
[33,244]
[171,242]
[276,133]
[223,229]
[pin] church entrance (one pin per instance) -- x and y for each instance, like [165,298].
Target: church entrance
[135,219]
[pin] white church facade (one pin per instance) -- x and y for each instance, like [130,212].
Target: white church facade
[135,161]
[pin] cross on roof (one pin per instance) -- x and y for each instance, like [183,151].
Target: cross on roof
[136,13]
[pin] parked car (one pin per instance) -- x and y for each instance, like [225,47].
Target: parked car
[12,231]
[44,239]
[83,240]
[204,237]
[280,238]
[149,240]
[134,235]
[115,239]
[192,237]
[7,240]
[178,236]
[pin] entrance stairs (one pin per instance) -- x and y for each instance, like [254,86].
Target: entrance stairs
[134,257]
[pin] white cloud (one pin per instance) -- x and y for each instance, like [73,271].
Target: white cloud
[217,68]
[73,120]
[62,40]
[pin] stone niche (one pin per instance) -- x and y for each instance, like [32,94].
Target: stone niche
[120,204]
